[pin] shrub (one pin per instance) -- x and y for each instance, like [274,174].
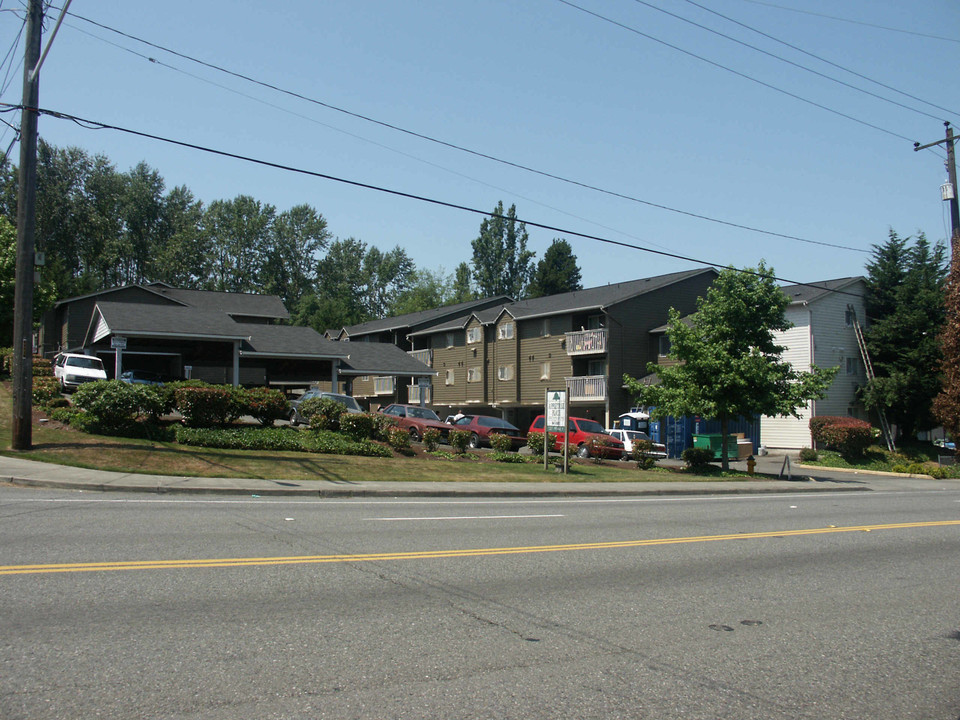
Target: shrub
[508,457]
[266,405]
[115,406]
[42,367]
[6,361]
[808,455]
[399,440]
[849,436]
[459,439]
[207,406]
[322,413]
[241,438]
[501,443]
[599,446]
[537,441]
[431,438]
[65,415]
[57,402]
[382,425]
[640,455]
[45,390]
[696,458]
[357,426]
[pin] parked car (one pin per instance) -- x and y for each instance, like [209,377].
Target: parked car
[415,420]
[141,377]
[945,444]
[350,403]
[581,432]
[481,427]
[628,437]
[72,370]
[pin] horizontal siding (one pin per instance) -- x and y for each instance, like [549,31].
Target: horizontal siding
[791,433]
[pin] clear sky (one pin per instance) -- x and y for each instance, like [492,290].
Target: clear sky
[590,91]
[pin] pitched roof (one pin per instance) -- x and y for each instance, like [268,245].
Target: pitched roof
[371,358]
[288,341]
[595,298]
[410,320]
[808,292]
[247,304]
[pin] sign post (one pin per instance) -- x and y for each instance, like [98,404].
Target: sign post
[556,422]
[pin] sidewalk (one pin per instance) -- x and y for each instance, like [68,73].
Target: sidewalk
[29,473]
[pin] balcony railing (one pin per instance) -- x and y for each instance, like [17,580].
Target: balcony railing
[587,342]
[587,387]
[413,394]
[383,386]
[424,356]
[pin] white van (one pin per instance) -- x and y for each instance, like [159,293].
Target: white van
[72,370]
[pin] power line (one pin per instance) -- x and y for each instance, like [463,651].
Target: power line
[97,125]
[854,22]
[731,70]
[783,59]
[460,148]
[821,59]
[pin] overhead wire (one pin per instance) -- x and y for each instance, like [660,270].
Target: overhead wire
[461,148]
[820,58]
[784,60]
[98,125]
[770,86]
[854,22]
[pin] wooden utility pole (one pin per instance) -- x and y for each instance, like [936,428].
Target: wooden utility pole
[26,222]
[952,178]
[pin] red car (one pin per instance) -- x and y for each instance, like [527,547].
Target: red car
[582,431]
[415,420]
[481,427]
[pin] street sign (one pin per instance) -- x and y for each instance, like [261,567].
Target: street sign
[118,342]
[556,411]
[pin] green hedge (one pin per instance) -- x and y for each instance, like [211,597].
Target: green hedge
[849,436]
[266,405]
[211,406]
[278,439]
[115,405]
[697,457]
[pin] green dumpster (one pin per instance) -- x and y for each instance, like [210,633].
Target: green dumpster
[714,443]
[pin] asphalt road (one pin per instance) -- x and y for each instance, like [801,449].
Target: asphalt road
[808,606]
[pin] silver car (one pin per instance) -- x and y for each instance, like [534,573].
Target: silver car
[350,403]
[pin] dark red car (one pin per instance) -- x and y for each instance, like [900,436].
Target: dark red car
[415,420]
[481,427]
[582,431]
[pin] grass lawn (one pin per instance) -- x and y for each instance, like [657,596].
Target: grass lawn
[55,443]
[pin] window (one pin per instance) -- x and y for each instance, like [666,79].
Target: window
[851,366]
[449,378]
[545,328]
[505,372]
[364,378]
[849,317]
[664,349]
[474,374]
[505,331]
[545,371]
[473,335]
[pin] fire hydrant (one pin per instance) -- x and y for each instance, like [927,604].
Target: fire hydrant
[751,465]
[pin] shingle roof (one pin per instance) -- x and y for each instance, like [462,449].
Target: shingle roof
[809,292]
[370,358]
[248,304]
[411,320]
[288,341]
[579,300]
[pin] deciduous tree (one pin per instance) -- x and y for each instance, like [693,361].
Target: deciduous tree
[946,405]
[729,364]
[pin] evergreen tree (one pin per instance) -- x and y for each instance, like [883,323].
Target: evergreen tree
[501,261]
[905,311]
[462,285]
[946,405]
[557,272]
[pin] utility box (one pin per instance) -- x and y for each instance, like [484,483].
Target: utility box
[714,443]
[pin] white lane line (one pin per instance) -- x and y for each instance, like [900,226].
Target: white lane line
[465,517]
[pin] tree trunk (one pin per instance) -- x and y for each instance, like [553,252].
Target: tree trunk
[724,433]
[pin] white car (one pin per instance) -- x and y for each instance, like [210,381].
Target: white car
[72,370]
[627,437]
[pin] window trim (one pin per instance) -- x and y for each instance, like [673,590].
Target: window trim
[502,331]
[475,374]
[505,373]
[476,333]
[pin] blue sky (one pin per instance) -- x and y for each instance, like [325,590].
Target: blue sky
[541,84]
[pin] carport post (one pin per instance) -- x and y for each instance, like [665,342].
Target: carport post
[334,375]
[236,363]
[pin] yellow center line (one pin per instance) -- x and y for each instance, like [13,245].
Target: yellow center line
[435,554]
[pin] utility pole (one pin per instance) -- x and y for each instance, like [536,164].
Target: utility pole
[952,176]
[26,222]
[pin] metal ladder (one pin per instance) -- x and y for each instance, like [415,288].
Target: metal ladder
[868,366]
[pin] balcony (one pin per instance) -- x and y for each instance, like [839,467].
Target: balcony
[424,356]
[383,386]
[588,388]
[413,395]
[587,342]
